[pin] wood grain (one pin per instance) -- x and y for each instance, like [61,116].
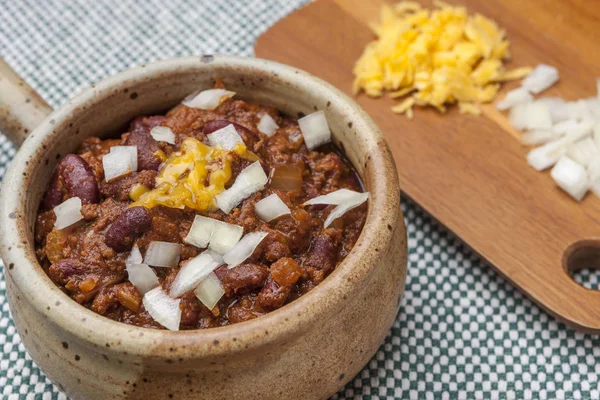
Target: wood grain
[468,171]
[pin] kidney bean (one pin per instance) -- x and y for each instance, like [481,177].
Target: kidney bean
[243,278]
[54,196]
[75,178]
[79,178]
[250,138]
[146,149]
[272,295]
[62,271]
[130,225]
[323,253]
[145,124]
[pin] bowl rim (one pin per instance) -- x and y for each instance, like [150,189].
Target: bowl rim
[280,325]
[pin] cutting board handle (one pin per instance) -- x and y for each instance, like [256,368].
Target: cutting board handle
[21,108]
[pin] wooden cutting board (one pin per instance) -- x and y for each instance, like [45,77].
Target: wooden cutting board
[467,171]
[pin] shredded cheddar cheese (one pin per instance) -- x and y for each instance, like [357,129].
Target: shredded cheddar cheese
[436,57]
[191,177]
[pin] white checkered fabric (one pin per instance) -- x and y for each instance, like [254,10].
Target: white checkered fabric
[463,332]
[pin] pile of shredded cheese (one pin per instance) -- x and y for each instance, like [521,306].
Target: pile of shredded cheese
[434,58]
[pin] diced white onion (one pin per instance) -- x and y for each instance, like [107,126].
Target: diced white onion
[210,291]
[163,134]
[224,236]
[566,126]
[217,235]
[142,277]
[200,232]
[192,273]
[545,156]
[207,99]
[514,97]
[596,134]
[130,152]
[540,79]
[557,106]
[267,125]
[598,88]
[345,207]
[249,181]
[593,105]
[216,256]
[531,116]
[226,137]
[67,213]
[243,249]
[135,257]
[334,198]
[539,137]
[162,308]
[315,129]
[162,254]
[118,163]
[594,169]
[570,177]
[271,207]
[595,188]
[583,151]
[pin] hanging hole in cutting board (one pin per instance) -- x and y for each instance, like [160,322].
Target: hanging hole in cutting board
[581,260]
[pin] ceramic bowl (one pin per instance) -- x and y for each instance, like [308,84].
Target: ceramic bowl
[308,349]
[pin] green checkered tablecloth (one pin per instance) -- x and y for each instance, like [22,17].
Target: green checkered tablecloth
[463,332]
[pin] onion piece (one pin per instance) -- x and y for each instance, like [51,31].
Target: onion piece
[67,213]
[514,97]
[216,256]
[557,106]
[119,162]
[271,207]
[162,254]
[537,137]
[570,177]
[142,276]
[128,151]
[224,237]
[162,308]
[200,232]
[217,235]
[315,130]
[345,207]
[596,134]
[207,99]
[249,181]
[226,137]
[192,273]
[135,257]
[267,125]
[163,134]
[210,291]
[243,249]
[566,126]
[531,116]
[334,198]
[583,151]
[541,78]
[545,156]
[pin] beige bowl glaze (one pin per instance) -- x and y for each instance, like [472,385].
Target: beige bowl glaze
[307,350]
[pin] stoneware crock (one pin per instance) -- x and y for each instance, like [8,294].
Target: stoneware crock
[306,350]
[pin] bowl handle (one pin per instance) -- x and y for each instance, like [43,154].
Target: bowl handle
[21,108]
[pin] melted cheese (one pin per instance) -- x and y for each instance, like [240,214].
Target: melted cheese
[438,57]
[191,177]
